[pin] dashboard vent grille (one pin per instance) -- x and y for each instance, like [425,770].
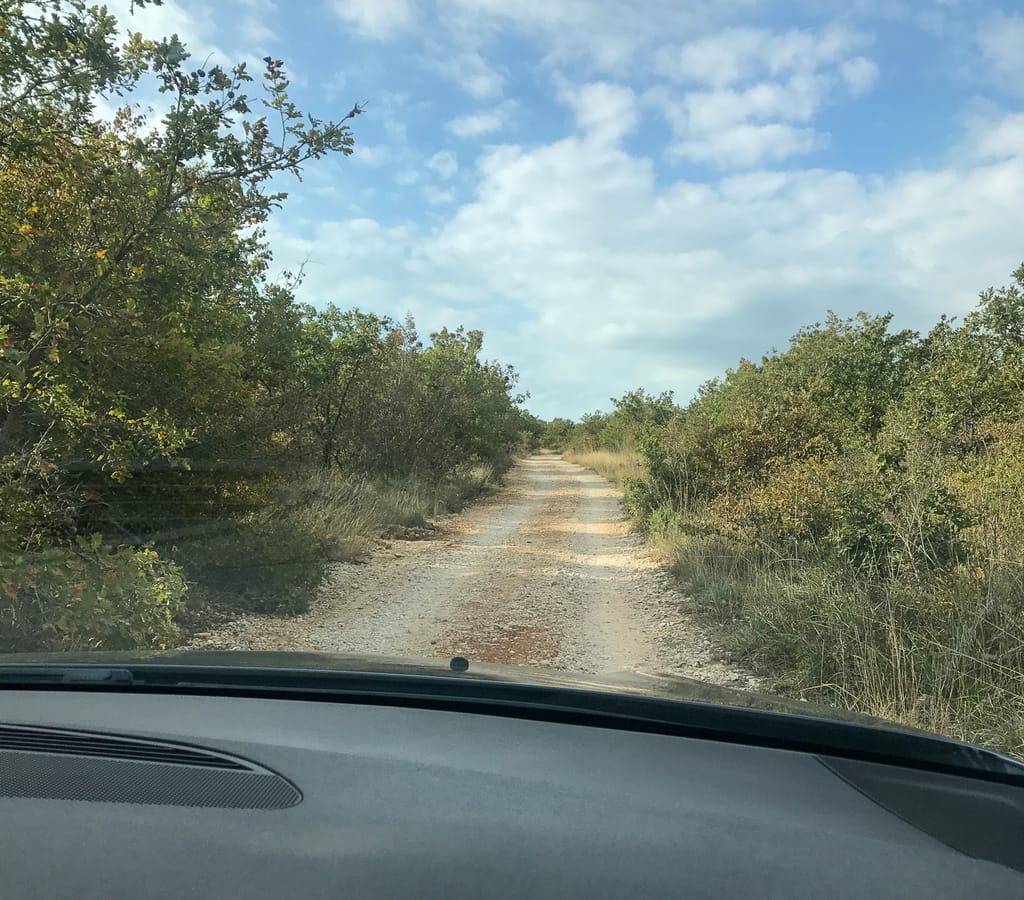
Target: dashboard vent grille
[80,743]
[58,764]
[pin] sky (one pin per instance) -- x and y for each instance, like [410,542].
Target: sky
[638,193]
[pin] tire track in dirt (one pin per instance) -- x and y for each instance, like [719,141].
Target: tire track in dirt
[545,573]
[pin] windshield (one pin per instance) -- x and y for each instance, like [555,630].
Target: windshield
[589,337]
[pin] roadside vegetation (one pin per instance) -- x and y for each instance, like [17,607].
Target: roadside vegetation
[615,465]
[178,432]
[175,429]
[850,512]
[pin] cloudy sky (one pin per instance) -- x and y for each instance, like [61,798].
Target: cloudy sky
[627,193]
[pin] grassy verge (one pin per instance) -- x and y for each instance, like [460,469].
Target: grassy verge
[943,653]
[100,595]
[275,561]
[614,465]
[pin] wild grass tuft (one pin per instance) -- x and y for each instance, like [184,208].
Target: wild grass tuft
[274,561]
[615,465]
[945,655]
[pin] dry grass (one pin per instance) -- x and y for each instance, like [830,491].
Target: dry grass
[274,561]
[615,465]
[943,655]
[354,511]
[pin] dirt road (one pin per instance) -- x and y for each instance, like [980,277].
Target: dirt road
[545,573]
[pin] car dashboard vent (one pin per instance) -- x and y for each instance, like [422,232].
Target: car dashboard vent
[60,764]
[79,743]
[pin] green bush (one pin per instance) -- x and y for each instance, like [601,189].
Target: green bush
[89,597]
[850,512]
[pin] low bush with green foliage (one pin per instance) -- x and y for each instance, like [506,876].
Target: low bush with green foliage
[89,596]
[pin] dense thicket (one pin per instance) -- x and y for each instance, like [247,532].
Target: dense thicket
[168,415]
[853,508]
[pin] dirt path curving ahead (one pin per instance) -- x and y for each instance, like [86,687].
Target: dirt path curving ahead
[545,573]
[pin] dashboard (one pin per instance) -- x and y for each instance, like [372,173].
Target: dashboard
[125,795]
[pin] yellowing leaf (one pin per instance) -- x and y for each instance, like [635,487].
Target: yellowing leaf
[101,254]
[54,354]
[25,228]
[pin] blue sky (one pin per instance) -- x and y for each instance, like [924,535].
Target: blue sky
[626,193]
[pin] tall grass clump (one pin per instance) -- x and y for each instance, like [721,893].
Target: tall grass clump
[615,465]
[275,559]
[945,654]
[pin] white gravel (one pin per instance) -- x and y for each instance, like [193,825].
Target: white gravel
[545,573]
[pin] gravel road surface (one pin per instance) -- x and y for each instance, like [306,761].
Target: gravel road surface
[544,573]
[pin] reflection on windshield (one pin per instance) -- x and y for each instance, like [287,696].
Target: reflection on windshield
[205,445]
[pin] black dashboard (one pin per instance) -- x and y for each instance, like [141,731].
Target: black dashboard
[106,794]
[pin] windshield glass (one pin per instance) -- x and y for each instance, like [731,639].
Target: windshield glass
[589,337]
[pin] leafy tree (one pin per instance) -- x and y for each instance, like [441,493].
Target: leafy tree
[156,389]
[557,433]
[130,256]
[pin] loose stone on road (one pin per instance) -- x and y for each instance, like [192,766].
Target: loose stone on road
[545,573]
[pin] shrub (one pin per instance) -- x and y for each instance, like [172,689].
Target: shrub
[89,597]
[851,512]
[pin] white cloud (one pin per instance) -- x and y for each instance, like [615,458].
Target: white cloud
[860,74]
[373,155]
[376,18]
[1001,38]
[444,163]
[747,145]
[468,69]
[735,55]
[730,127]
[481,123]
[751,95]
[334,85]
[720,59]
[993,140]
[574,251]
[602,35]
[795,100]
[605,111]
[255,30]
[437,196]
[193,26]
